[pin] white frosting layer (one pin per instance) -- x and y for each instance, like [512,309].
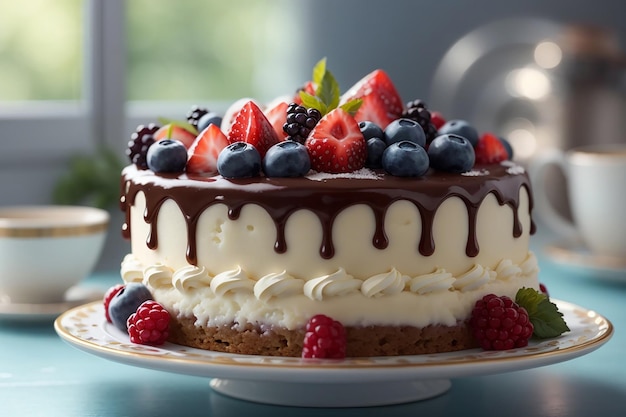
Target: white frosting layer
[282,300]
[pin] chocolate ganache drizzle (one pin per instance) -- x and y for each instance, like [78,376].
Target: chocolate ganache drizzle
[281,197]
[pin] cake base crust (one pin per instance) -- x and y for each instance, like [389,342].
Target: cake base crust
[361,341]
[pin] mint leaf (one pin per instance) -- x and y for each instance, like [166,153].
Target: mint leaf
[313,102]
[180,123]
[318,71]
[352,106]
[545,316]
[328,91]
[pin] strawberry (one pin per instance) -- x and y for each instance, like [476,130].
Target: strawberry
[277,116]
[381,102]
[336,144]
[177,132]
[251,126]
[308,87]
[490,150]
[203,153]
[437,119]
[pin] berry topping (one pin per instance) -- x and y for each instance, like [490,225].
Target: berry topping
[176,131]
[126,302]
[489,150]
[375,149]
[286,159]
[336,144]
[277,116]
[308,88]
[405,159]
[451,153]
[203,153]
[498,323]
[167,156]
[381,102]
[108,296]
[300,121]
[239,160]
[371,130]
[194,115]
[208,119]
[405,129]
[140,141]
[544,290]
[507,146]
[437,119]
[416,110]
[251,126]
[460,128]
[324,338]
[149,324]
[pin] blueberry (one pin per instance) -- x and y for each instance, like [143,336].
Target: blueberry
[405,129]
[167,155]
[239,160]
[405,159]
[126,302]
[287,159]
[451,153]
[375,148]
[460,128]
[507,146]
[370,130]
[207,119]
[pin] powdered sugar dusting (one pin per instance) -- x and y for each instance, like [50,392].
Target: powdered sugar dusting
[475,173]
[361,174]
[513,168]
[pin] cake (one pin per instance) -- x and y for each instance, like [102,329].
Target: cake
[242,263]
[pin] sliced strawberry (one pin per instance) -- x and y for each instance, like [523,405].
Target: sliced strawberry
[277,116]
[381,102]
[203,153]
[251,126]
[174,131]
[490,150]
[336,144]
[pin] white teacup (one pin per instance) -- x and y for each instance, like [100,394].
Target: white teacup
[596,184]
[45,250]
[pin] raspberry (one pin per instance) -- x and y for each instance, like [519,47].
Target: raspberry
[194,115]
[324,338]
[300,122]
[149,325]
[141,139]
[108,296]
[498,323]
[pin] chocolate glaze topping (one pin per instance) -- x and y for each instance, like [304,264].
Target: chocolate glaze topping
[281,197]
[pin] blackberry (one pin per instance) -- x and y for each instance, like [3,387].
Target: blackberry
[140,141]
[195,114]
[300,122]
[417,110]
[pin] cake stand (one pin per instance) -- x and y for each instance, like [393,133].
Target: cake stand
[352,382]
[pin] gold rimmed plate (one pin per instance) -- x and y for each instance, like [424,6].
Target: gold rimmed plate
[340,383]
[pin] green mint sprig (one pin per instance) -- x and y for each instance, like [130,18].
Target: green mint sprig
[545,316]
[327,93]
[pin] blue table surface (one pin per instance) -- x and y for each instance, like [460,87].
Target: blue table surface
[41,375]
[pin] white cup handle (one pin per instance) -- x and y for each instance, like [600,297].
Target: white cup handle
[538,173]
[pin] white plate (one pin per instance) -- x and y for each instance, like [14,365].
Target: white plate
[337,383]
[41,312]
[575,255]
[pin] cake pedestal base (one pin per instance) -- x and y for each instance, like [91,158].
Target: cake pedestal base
[331,394]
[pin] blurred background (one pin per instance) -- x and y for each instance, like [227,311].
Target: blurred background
[77,76]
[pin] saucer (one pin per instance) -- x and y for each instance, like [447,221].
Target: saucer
[574,254]
[40,312]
